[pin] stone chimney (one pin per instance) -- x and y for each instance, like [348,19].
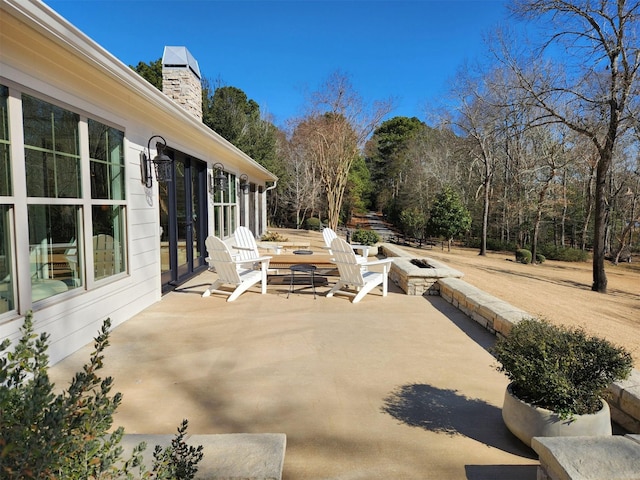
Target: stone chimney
[181,79]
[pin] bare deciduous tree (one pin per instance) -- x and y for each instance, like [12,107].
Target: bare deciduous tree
[302,189]
[334,131]
[591,91]
[480,119]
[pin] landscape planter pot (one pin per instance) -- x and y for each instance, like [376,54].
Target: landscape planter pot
[526,421]
[373,250]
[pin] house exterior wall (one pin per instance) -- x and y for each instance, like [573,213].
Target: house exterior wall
[44,56]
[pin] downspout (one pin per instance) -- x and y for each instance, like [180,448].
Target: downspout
[275,184]
[264,204]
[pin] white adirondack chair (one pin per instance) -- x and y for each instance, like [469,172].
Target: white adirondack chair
[330,235]
[352,274]
[229,273]
[245,246]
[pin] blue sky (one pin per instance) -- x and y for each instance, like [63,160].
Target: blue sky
[276,50]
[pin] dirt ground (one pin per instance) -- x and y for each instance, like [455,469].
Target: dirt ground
[558,291]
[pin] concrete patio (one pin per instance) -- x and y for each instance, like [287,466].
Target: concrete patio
[397,387]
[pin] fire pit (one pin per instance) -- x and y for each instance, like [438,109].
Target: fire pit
[421,263]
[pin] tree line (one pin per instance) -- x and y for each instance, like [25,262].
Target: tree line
[539,142]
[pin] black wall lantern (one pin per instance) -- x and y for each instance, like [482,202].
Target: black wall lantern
[244,184]
[218,179]
[161,161]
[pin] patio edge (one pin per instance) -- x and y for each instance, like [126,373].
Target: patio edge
[498,317]
[234,456]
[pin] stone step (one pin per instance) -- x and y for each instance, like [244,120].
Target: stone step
[588,458]
[236,456]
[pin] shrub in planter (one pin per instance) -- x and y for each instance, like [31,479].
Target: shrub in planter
[65,436]
[559,368]
[365,237]
[523,256]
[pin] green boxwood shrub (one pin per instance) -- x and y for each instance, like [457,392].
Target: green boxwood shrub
[67,436]
[540,258]
[523,255]
[313,223]
[365,237]
[493,244]
[563,254]
[560,368]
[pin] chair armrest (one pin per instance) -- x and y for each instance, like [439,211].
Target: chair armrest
[251,260]
[382,261]
[238,247]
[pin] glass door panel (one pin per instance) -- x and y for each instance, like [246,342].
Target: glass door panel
[165,255]
[183,218]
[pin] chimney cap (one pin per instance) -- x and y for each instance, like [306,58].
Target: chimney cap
[180,57]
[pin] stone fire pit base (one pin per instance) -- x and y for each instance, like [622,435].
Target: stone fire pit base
[412,278]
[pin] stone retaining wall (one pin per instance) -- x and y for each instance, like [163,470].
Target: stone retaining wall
[498,317]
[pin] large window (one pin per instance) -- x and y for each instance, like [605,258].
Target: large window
[53,174]
[106,150]
[76,236]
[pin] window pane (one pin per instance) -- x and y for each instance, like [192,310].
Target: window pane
[5,165]
[217,219]
[197,169]
[225,222]
[49,127]
[53,252]
[6,265]
[108,240]
[51,175]
[51,149]
[106,147]
[232,188]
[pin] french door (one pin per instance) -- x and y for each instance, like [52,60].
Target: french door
[183,221]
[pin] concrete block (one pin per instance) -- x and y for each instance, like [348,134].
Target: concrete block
[588,458]
[627,422]
[480,319]
[630,401]
[240,456]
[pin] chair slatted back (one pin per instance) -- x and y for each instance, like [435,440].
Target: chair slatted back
[329,235]
[244,238]
[220,257]
[347,262]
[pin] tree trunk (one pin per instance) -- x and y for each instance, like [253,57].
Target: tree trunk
[599,275]
[589,210]
[565,203]
[485,207]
